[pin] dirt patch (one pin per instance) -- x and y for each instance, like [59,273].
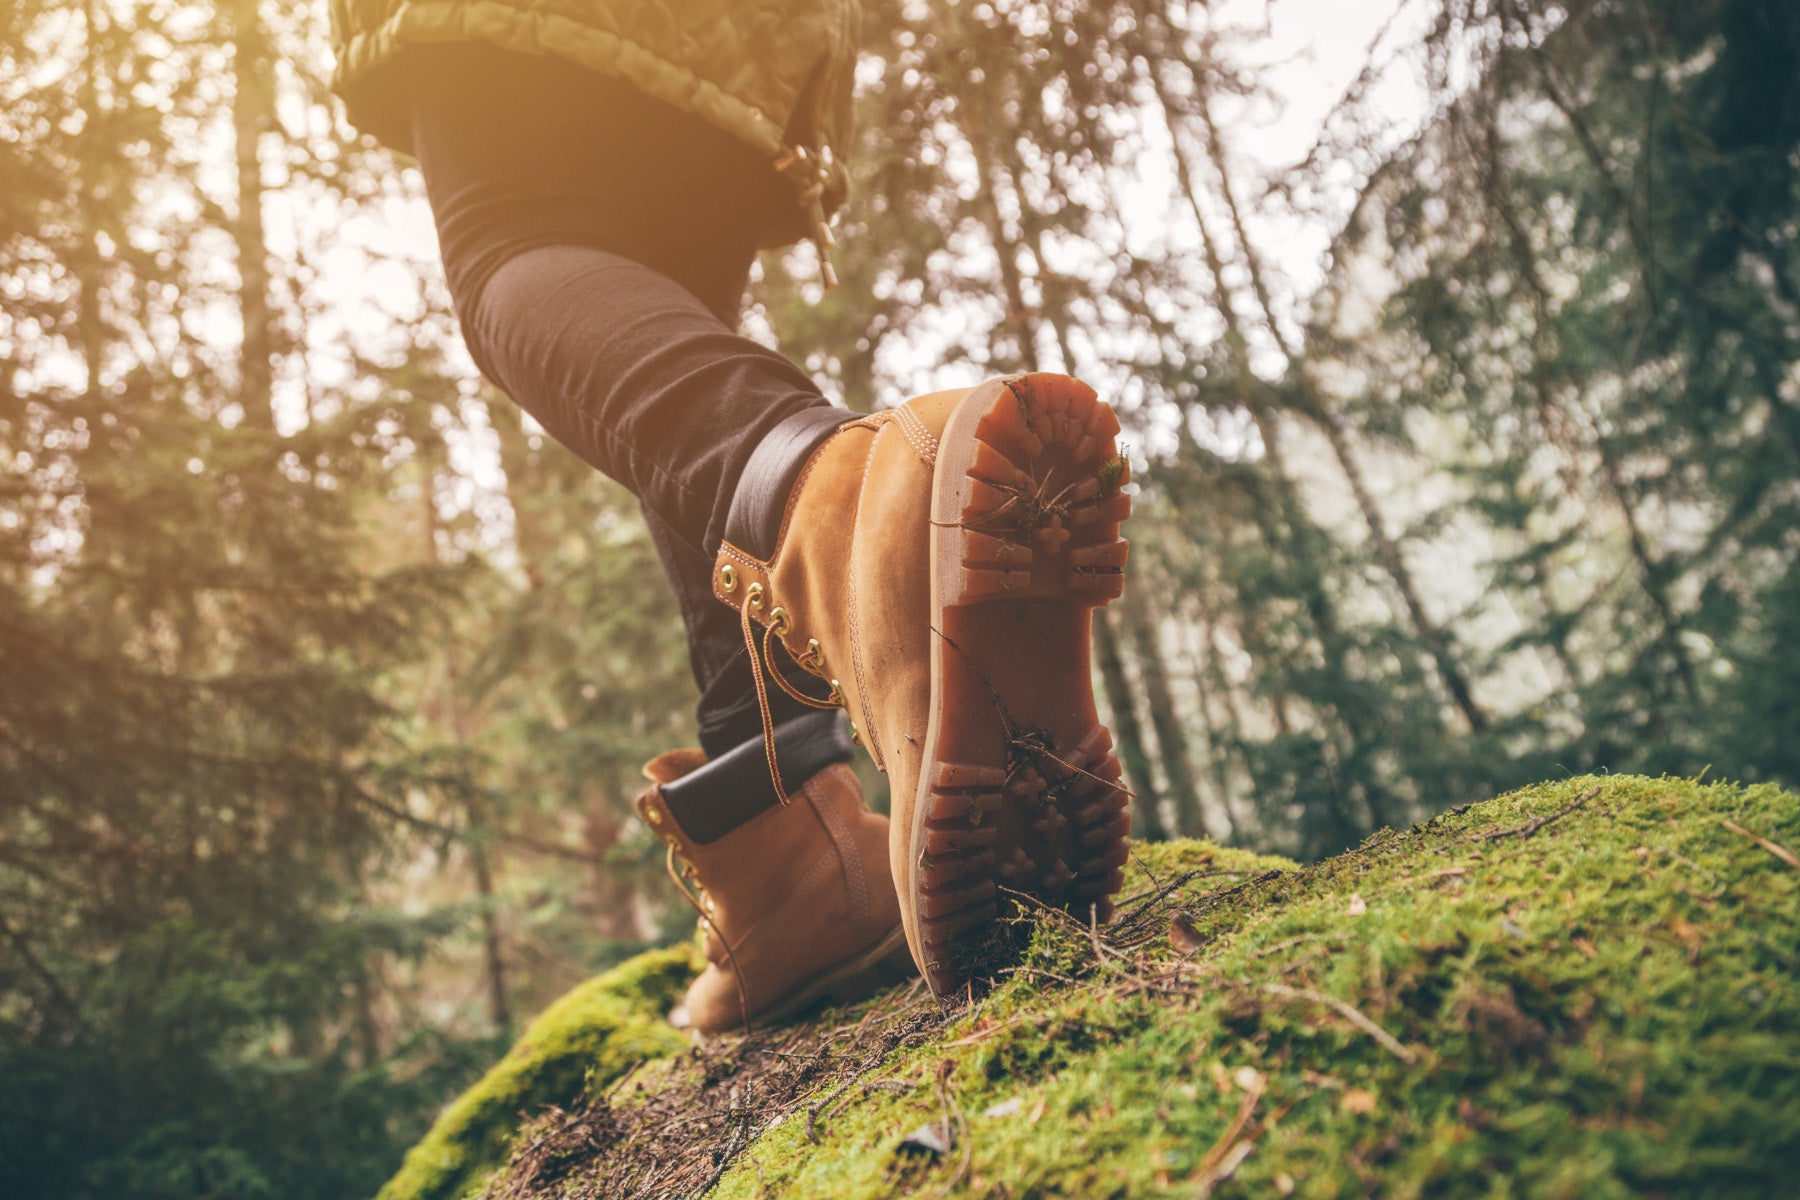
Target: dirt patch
[677,1135]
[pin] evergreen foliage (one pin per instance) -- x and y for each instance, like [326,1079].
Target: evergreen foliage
[325,678]
[202,765]
[1511,494]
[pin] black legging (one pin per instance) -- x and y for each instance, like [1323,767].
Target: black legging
[597,245]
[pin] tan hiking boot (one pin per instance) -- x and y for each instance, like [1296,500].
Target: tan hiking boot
[937,564]
[796,902]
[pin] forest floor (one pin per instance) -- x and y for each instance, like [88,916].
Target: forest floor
[1588,988]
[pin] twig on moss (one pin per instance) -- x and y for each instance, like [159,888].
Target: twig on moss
[954,1123]
[1040,972]
[625,1077]
[815,1111]
[1155,881]
[1350,1013]
[984,1034]
[815,1057]
[1782,852]
[1290,943]
[1210,1178]
[900,1086]
[1103,956]
[1531,827]
[738,1128]
[1149,896]
[1685,861]
[1229,1151]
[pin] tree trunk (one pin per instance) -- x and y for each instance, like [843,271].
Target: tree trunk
[87,265]
[480,831]
[1171,739]
[1020,319]
[252,113]
[1543,356]
[1437,640]
[1221,737]
[1128,735]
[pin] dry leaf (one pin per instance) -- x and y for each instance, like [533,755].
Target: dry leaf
[1689,933]
[1358,1101]
[1005,1108]
[1358,906]
[1184,935]
[1586,947]
[1284,1184]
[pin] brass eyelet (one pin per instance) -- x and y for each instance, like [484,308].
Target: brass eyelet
[754,597]
[778,621]
[813,656]
[855,736]
[837,694]
[728,577]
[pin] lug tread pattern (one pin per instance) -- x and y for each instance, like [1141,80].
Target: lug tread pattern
[1045,501]
[1039,521]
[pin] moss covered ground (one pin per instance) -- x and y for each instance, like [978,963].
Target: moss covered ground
[588,1037]
[1588,988]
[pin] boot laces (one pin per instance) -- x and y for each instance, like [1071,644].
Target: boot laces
[680,876]
[763,658]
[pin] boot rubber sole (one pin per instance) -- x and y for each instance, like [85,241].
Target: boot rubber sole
[1020,790]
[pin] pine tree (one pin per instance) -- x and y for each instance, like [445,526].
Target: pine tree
[204,775]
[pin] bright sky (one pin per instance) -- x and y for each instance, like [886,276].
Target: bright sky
[1313,53]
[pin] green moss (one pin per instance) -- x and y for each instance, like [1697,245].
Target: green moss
[588,1037]
[1605,1004]
[1588,988]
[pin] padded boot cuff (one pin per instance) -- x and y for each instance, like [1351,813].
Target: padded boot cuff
[711,801]
[754,521]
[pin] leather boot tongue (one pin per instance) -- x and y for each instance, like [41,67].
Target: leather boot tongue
[711,801]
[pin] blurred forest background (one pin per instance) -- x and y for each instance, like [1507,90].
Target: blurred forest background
[325,680]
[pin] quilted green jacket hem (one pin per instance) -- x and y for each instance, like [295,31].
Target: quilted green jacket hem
[776,74]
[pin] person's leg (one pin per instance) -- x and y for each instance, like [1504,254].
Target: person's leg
[627,368]
[938,561]
[601,296]
[597,246]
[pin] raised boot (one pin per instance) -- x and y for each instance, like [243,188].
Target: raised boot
[796,900]
[937,564]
